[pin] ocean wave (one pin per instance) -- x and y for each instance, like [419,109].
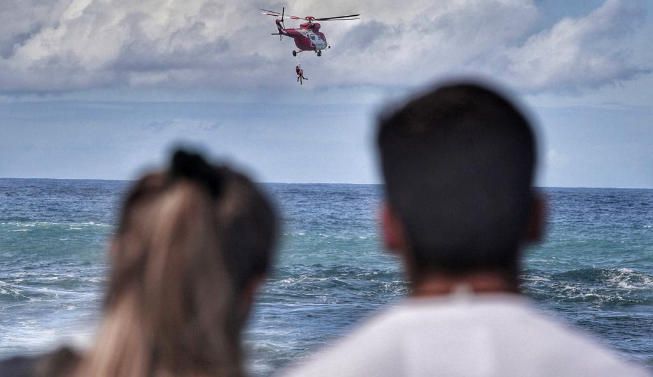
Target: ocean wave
[595,286]
[340,236]
[31,336]
[10,290]
[35,288]
[625,278]
[321,284]
[47,224]
[577,293]
[629,279]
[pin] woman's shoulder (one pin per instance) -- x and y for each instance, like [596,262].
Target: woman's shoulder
[61,362]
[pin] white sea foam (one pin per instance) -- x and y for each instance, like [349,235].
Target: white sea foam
[535,278]
[10,289]
[31,337]
[627,278]
[42,224]
[579,293]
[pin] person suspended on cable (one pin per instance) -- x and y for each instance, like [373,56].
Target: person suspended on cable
[300,74]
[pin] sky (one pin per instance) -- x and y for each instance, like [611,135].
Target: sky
[104,89]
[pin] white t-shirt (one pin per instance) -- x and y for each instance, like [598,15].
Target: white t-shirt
[464,335]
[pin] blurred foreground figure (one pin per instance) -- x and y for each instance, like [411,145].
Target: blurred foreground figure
[192,246]
[458,164]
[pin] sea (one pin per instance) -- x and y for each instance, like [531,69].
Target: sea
[594,269]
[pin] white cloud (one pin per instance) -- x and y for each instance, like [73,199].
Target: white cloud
[440,38]
[578,53]
[21,20]
[81,44]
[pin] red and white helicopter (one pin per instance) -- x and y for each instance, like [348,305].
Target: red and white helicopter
[308,37]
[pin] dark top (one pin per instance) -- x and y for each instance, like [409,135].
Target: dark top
[20,366]
[55,364]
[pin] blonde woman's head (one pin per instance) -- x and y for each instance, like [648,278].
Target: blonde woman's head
[191,246]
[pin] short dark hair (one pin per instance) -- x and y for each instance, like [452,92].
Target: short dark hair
[458,165]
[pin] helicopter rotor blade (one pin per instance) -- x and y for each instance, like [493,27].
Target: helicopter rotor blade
[283,16]
[337,19]
[342,18]
[280,14]
[270,12]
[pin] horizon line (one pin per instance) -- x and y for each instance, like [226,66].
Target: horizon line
[316,183]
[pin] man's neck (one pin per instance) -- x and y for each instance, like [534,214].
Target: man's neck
[478,282]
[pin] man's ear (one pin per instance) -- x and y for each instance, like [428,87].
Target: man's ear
[392,230]
[537,220]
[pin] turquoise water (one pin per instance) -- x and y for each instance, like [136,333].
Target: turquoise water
[594,269]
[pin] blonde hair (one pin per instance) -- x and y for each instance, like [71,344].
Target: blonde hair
[175,303]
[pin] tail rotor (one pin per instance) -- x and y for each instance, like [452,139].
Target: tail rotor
[279,20]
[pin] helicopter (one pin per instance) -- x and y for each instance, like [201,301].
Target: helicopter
[308,36]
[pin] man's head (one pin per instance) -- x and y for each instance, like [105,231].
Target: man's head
[458,165]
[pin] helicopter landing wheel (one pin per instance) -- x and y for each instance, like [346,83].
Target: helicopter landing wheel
[294,53]
[319,53]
